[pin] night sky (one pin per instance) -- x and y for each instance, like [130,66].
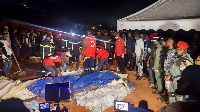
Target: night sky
[66,13]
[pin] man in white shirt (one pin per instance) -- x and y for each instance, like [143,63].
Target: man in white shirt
[5,54]
[50,33]
[8,35]
[139,48]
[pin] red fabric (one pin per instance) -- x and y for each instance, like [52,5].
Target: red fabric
[182,45]
[50,61]
[99,46]
[91,47]
[154,35]
[23,36]
[119,43]
[102,54]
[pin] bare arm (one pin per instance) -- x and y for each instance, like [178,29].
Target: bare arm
[84,45]
[3,56]
[59,71]
[1,53]
[123,49]
[141,54]
[17,42]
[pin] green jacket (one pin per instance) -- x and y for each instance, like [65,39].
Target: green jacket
[157,57]
[175,69]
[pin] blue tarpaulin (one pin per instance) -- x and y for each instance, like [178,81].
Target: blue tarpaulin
[93,79]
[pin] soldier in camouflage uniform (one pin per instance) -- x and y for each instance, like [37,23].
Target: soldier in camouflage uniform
[175,71]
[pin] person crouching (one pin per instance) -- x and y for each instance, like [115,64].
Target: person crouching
[53,65]
[102,55]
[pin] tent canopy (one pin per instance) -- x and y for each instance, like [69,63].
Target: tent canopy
[164,14]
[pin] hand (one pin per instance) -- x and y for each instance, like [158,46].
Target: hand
[61,75]
[6,59]
[20,46]
[167,78]
[153,69]
[141,61]
[183,66]
[188,63]
[122,56]
[147,63]
[133,54]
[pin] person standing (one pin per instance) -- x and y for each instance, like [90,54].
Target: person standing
[5,54]
[123,36]
[46,48]
[49,33]
[99,36]
[168,62]
[150,62]
[89,47]
[130,50]
[139,49]
[147,50]
[6,28]
[157,65]
[120,51]
[16,43]
[58,41]
[106,42]
[188,84]
[74,44]
[175,70]
[38,40]
[32,43]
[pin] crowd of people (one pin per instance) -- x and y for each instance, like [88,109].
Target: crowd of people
[160,59]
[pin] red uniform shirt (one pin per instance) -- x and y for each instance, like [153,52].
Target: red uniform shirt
[102,54]
[119,43]
[50,61]
[90,47]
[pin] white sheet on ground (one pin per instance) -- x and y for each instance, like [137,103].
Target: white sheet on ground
[73,73]
[103,97]
[33,105]
[20,91]
[6,85]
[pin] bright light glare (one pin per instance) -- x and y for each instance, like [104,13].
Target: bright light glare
[73,34]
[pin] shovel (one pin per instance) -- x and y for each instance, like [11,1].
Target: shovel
[20,72]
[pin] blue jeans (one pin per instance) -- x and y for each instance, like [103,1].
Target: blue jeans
[7,66]
[101,63]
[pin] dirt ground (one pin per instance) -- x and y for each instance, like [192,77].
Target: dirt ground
[141,92]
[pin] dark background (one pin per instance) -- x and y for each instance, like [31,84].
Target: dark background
[68,13]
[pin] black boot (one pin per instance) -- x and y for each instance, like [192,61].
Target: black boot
[131,68]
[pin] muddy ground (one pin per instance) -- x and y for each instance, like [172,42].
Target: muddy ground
[141,92]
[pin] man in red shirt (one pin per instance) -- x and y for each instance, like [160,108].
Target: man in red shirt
[120,51]
[53,65]
[89,47]
[102,55]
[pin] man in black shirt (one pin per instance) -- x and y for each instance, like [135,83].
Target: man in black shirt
[130,45]
[16,43]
